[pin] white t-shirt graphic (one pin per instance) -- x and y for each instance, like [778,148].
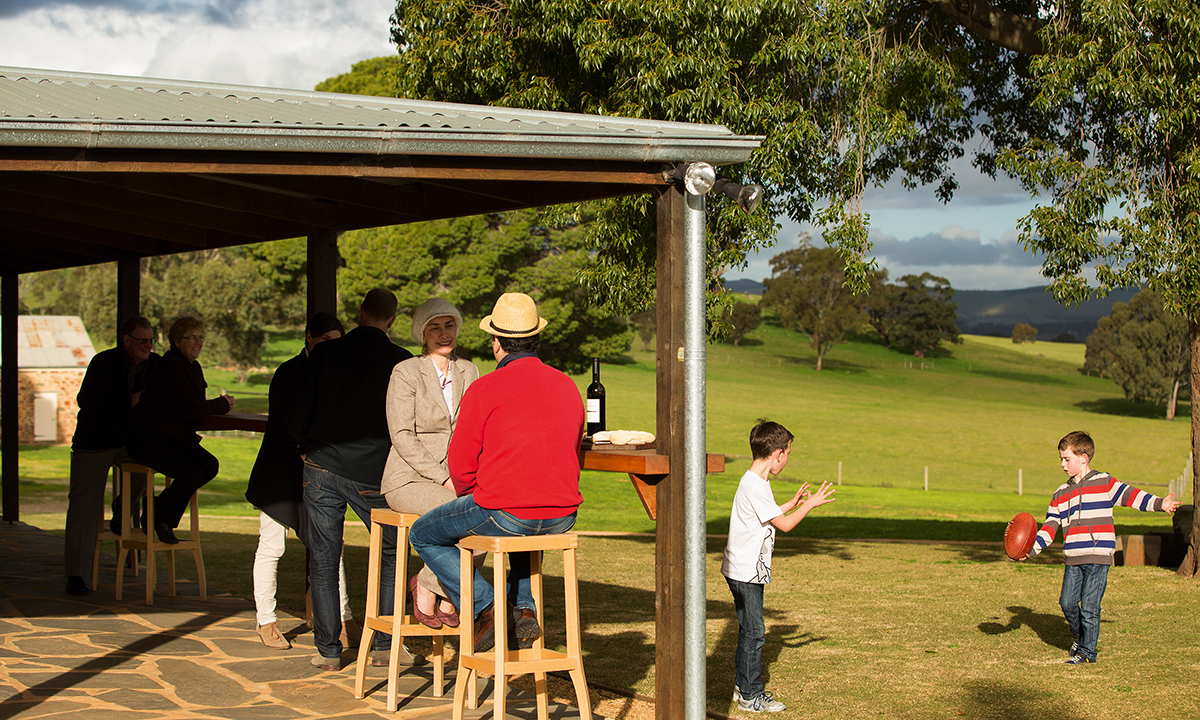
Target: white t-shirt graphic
[751,534]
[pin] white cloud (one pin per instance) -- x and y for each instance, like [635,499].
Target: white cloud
[279,43]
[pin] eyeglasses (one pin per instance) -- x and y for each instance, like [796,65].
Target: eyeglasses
[144,342]
[194,338]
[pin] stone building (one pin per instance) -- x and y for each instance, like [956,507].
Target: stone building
[52,355]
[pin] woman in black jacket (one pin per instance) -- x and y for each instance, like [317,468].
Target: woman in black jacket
[162,426]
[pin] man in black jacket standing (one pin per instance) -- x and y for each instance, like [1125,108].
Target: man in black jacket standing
[111,387]
[339,423]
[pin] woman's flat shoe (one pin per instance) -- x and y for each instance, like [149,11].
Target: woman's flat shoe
[449,619]
[429,621]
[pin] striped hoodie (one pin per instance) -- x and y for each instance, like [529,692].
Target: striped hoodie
[1084,508]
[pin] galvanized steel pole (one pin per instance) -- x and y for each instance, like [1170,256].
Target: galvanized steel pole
[695,460]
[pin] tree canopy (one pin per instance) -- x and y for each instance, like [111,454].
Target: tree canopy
[471,261]
[917,314]
[808,287]
[845,94]
[1144,349]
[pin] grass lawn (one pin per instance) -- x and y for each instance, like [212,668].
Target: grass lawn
[937,628]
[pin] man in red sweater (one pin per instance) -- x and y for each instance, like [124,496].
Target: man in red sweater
[514,461]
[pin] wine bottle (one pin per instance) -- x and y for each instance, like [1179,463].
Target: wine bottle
[595,401]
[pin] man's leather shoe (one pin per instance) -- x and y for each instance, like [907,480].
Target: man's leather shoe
[165,533]
[525,627]
[485,630]
[77,586]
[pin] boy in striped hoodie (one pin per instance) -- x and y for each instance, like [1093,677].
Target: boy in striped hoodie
[1083,506]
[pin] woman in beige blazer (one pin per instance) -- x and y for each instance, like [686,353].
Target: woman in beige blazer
[422,407]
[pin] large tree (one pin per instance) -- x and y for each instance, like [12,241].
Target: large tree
[917,314]
[844,94]
[808,287]
[1144,349]
[1118,164]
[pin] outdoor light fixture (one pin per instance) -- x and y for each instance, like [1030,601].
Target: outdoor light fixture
[747,197]
[699,178]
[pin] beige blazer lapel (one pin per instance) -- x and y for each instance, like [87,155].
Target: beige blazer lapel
[458,370]
[429,378]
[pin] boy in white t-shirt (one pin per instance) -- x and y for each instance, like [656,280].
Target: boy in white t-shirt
[747,563]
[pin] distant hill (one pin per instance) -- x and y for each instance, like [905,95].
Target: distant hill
[995,312]
[745,285]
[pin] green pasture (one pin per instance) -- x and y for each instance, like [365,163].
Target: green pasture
[977,415]
[925,620]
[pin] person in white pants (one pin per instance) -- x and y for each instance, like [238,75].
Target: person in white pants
[275,489]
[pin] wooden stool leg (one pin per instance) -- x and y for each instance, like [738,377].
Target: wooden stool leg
[574,641]
[464,681]
[151,559]
[364,647]
[126,491]
[500,608]
[539,678]
[398,605]
[195,537]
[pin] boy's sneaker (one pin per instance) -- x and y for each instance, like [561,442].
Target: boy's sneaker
[1074,648]
[1079,660]
[762,702]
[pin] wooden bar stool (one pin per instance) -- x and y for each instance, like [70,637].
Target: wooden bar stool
[502,662]
[105,534]
[399,624]
[145,539]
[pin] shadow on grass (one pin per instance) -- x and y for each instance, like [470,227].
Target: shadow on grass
[1125,408]
[1050,628]
[1031,378]
[1005,701]
[830,527]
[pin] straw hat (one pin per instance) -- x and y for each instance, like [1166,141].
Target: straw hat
[514,316]
[427,311]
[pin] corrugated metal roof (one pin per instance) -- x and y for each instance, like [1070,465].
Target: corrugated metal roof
[53,341]
[47,108]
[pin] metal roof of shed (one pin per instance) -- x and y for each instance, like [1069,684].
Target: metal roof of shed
[53,341]
[94,168]
[47,108]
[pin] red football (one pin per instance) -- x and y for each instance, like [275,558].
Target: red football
[1019,536]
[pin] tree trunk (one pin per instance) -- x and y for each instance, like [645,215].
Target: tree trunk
[996,25]
[1188,568]
[1172,400]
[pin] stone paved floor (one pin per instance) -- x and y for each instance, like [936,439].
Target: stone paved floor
[179,658]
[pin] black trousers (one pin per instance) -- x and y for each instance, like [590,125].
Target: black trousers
[189,466]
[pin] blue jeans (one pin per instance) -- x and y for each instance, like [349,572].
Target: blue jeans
[435,534]
[752,634]
[1082,589]
[326,496]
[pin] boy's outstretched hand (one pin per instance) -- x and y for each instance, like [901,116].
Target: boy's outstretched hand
[823,495]
[1170,504]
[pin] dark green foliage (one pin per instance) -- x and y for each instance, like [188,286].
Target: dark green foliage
[743,318]
[376,76]
[1024,333]
[808,287]
[916,315]
[843,94]
[471,262]
[1144,349]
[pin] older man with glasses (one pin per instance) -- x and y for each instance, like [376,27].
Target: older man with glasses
[111,387]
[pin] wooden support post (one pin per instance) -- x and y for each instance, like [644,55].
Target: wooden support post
[669,575]
[129,290]
[10,479]
[323,261]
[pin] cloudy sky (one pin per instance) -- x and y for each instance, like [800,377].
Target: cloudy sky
[298,43]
